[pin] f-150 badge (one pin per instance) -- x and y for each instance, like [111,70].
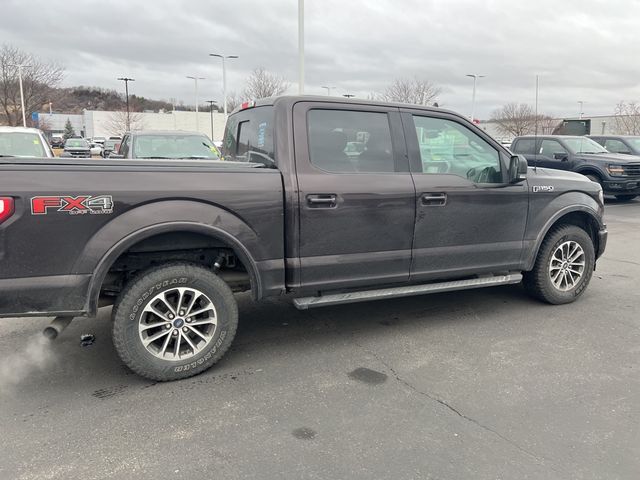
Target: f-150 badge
[73,205]
[542,188]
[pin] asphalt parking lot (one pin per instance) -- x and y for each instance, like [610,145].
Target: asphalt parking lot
[484,384]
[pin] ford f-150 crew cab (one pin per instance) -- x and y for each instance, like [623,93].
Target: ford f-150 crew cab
[430,203]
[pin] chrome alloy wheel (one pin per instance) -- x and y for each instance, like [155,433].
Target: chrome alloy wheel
[567,265]
[177,324]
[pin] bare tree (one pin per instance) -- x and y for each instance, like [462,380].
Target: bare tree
[117,123]
[547,124]
[515,119]
[405,90]
[627,117]
[262,84]
[233,101]
[38,82]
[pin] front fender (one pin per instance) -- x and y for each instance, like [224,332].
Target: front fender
[544,214]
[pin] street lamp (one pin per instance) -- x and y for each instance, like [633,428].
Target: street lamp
[126,81]
[300,47]
[195,79]
[211,104]
[328,90]
[581,103]
[20,66]
[224,76]
[473,98]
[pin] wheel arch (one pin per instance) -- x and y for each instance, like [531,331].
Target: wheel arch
[122,246]
[580,216]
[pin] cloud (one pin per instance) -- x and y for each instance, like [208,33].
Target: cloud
[582,50]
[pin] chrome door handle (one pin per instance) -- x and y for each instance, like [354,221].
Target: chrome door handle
[434,199]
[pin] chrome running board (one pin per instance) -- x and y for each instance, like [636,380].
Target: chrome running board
[304,303]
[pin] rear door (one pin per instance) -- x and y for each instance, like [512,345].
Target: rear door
[468,219]
[356,196]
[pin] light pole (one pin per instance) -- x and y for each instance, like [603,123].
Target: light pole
[224,76]
[195,79]
[328,90]
[20,66]
[300,47]
[581,103]
[126,81]
[473,97]
[211,104]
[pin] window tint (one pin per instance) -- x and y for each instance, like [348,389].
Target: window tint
[526,146]
[248,136]
[343,141]
[549,147]
[616,146]
[449,147]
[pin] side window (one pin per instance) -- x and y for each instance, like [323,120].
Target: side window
[248,136]
[525,146]
[550,147]
[616,146]
[342,141]
[447,147]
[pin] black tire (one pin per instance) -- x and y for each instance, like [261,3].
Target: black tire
[538,282]
[139,293]
[625,198]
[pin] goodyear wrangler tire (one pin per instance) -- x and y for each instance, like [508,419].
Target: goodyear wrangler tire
[174,321]
[564,266]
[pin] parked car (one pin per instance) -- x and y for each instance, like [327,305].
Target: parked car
[96,149]
[57,141]
[99,140]
[287,212]
[167,145]
[76,147]
[627,145]
[23,142]
[618,174]
[109,147]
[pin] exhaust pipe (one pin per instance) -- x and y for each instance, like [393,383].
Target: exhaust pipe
[56,327]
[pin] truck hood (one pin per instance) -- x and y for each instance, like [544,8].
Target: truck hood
[609,157]
[561,181]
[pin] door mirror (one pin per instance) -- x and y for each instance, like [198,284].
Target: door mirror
[561,156]
[517,169]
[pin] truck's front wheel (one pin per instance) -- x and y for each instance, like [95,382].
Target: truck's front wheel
[174,321]
[564,266]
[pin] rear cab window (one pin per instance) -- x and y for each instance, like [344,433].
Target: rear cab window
[248,136]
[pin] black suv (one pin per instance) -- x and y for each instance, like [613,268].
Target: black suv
[627,144]
[618,174]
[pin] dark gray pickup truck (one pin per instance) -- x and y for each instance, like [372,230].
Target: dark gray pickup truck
[430,203]
[618,174]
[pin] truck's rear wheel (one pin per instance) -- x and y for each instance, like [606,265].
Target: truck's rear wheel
[564,266]
[174,321]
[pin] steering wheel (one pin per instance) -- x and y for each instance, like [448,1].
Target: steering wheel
[481,176]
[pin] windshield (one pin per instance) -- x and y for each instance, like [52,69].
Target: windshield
[76,143]
[175,146]
[634,142]
[20,144]
[110,143]
[584,145]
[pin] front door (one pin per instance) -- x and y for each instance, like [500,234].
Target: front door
[468,220]
[553,155]
[356,196]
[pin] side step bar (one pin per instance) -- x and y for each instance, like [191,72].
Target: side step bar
[305,303]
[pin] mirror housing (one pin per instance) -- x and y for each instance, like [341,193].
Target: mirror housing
[518,168]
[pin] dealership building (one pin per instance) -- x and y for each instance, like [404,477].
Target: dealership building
[95,123]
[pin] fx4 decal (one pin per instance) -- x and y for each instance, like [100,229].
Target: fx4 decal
[542,188]
[78,205]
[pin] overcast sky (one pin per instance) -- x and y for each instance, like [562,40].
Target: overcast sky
[582,49]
